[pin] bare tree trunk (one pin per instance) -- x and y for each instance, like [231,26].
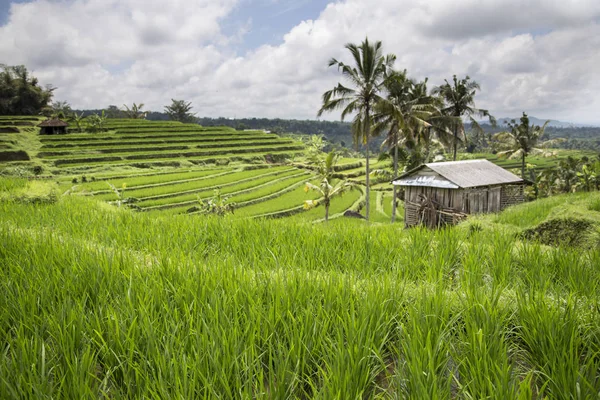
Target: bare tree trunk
[395,176]
[523,165]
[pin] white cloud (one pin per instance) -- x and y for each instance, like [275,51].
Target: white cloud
[538,56]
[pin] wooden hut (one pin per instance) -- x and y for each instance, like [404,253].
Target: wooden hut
[53,127]
[445,192]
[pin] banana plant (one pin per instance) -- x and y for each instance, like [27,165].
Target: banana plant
[327,190]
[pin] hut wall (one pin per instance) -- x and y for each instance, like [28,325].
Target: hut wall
[450,198]
[512,194]
[483,200]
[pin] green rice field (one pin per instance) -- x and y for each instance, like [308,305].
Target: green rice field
[103,302]
[170,167]
[115,287]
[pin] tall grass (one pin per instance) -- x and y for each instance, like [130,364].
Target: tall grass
[99,302]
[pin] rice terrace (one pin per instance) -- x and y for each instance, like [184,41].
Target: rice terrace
[421,248]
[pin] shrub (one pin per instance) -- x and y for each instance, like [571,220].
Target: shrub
[561,232]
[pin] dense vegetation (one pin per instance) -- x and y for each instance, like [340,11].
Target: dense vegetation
[21,93]
[108,303]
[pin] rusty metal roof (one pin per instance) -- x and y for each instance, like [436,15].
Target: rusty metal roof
[463,174]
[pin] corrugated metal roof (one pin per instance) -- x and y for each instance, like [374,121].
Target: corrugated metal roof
[466,174]
[429,181]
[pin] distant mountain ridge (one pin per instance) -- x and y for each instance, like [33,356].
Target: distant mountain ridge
[537,121]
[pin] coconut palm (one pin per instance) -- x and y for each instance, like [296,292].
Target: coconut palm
[325,171]
[404,115]
[459,102]
[367,81]
[524,139]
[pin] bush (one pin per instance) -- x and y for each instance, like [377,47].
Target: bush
[561,232]
[14,156]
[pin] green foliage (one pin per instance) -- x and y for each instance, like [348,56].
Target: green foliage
[102,302]
[20,93]
[561,232]
[216,205]
[366,76]
[325,166]
[135,112]
[179,110]
[96,122]
[524,139]
[459,102]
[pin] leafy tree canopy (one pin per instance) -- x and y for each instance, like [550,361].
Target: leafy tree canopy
[179,110]
[21,93]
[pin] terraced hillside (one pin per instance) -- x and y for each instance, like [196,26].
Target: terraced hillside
[170,167]
[145,143]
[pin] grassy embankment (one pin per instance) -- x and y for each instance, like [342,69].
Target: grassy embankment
[103,302]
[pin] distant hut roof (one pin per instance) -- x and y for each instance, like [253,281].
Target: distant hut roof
[53,123]
[458,174]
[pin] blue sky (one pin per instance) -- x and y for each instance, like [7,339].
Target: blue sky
[268,58]
[269,20]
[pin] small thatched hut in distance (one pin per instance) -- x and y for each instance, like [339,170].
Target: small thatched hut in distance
[441,193]
[53,127]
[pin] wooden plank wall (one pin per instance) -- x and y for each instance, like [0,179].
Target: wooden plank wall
[470,201]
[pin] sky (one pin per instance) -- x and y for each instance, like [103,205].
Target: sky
[268,58]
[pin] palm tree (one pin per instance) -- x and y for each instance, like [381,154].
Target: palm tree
[459,102]
[325,170]
[367,78]
[524,139]
[135,112]
[404,115]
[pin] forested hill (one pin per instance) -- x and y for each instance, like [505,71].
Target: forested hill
[340,132]
[584,138]
[335,131]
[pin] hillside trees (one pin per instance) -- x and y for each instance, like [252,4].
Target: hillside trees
[114,112]
[459,102]
[20,93]
[366,78]
[179,110]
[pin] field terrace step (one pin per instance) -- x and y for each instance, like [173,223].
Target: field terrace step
[226,189]
[176,140]
[183,155]
[182,135]
[161,184]
[225,180]
[280,192]
[176,162]
[143,148]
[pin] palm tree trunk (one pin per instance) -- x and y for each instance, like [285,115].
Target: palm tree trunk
[455,143]
[395,176]
[367,134]
[523,165]
[326,211]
